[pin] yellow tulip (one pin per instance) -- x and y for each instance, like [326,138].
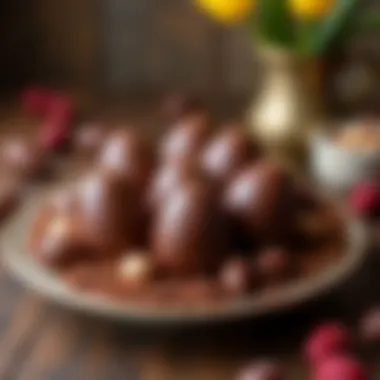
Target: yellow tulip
[311,9]
[227,11]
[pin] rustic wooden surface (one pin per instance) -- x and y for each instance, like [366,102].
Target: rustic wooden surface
[39,340]
[42,341]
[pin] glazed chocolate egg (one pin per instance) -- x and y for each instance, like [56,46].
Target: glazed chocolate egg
[229,151]
[90,137]
[110,211]
[187,236]
[260,197]
[169,177]
[129,156]
[186,139]
[23,156]
[62,242]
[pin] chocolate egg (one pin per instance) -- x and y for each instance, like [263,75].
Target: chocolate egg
[169,177]
[260,197]
[89,138]
[228,152]
[62,242]
[23,156]
[237,276]
[129,156]
[186,139]
[187,236]
[109,210]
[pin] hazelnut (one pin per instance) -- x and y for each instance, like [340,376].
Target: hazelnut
[236,276]
[135,268]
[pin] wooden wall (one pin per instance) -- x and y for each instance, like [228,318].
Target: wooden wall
[122,46]
[125,46]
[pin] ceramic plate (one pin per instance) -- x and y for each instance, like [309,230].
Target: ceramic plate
[18,260]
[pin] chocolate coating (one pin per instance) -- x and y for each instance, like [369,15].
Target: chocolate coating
[89,138]
[236,276]
[228,152]
[62,242]
[109,209]
[169,177]
[129,156]
[273,265]
[64,201]
[198,291]
[187,232]
[264,370]
[23,156]
[260,197]
[186,140]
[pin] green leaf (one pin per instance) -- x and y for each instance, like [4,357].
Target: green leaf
[334,24]
[275,23]
[305,36]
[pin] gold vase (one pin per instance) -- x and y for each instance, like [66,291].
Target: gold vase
[285,111]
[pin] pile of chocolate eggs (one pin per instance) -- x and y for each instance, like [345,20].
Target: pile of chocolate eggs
[201,202]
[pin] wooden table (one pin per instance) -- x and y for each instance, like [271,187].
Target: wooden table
[41,341]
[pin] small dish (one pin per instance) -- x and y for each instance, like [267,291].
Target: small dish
[336,167]
[45,282]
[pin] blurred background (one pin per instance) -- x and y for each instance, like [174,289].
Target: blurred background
[114,53]
[147,48]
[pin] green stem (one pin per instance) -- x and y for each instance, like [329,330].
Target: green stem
[334,24]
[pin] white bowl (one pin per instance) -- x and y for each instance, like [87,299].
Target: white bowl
[338,169]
